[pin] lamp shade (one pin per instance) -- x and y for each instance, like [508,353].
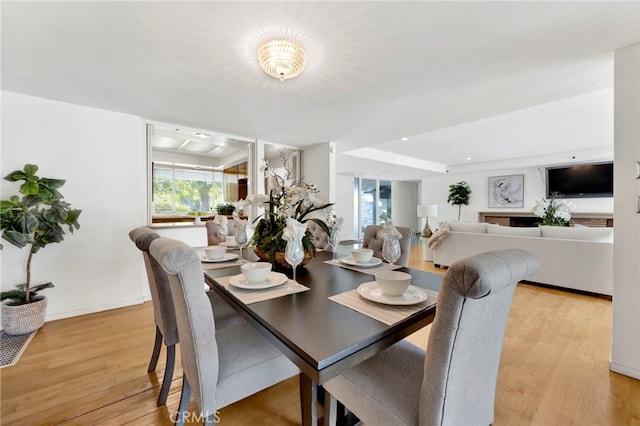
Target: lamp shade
[431,210]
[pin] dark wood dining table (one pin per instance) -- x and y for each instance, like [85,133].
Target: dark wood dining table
[322,337]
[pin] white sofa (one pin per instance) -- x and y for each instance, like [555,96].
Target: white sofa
[578,258]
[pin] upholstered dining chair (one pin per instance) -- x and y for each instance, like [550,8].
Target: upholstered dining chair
[319,238]
[455,382]
[220,366]
[371,241]
[163,312]
[212,231]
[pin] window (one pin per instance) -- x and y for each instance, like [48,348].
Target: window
[372,203]
[184,189]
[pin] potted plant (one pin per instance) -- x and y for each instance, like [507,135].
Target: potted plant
[459,194]
[288,198]
[225,209]
[34,221]
[554,212]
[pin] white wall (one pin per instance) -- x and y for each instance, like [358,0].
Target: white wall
[404,202]
[344,205]
[320,169]
[625,349]
[102,155]
[435,190]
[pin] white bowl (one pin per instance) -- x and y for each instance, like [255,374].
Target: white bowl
[393,283]
[362,255]
[256,272]
[215,252]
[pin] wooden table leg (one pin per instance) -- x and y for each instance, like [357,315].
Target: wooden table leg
[308,401]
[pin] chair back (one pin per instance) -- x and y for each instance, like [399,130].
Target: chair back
[465,342]
[370,240]
[163,311]
[196,326]
[319,238]
[213,239]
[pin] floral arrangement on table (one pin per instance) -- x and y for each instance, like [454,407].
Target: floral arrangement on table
[288,198]
[555,211]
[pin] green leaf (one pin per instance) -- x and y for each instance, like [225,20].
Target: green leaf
[52,183]
[31,200]
[16,176]
[30,169]
[39,287]
[25,222]
[16,295]
[6,206]
[16,238]
[29,188]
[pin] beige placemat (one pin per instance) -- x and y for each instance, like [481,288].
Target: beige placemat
[253,296]
[371,270]
[219,265]
[388,314]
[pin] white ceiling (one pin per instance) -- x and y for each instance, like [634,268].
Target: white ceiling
[491,81]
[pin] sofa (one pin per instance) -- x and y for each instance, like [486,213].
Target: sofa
[576,258]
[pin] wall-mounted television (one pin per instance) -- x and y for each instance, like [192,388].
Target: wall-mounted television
[581,180]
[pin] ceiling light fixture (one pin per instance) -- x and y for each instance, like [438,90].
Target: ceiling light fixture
[281,57]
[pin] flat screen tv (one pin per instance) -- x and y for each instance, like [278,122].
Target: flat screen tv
[581,180]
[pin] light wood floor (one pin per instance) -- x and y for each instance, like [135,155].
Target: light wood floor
[91,370]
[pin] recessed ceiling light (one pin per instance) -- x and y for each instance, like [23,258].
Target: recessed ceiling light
[404,139]
[469,158]
[202,135]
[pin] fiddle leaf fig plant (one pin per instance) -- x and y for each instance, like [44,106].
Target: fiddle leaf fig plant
[459,194]
[34,219]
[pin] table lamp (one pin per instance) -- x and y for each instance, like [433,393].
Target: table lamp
[427,211]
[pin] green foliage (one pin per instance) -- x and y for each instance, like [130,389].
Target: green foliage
[225,209]
[18,296]
[184,195]
[459,194]
[36,219]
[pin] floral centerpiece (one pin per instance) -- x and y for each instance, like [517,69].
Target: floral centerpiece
[288,198]
[555,211]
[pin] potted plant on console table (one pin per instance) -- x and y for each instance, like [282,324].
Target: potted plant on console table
[34,221]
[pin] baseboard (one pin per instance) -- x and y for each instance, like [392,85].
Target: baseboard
[622,369]
[570,290]
[94,309]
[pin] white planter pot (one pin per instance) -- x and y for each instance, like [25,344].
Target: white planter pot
[23,319]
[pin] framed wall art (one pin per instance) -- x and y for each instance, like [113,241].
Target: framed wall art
[506,191]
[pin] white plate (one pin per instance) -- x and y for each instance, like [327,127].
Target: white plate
[229,244]
[374,261]
[227,257]
[273,280]
[411,296]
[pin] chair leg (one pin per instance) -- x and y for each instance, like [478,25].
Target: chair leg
[156,351]
[330,409]
[183,407]
[168,375]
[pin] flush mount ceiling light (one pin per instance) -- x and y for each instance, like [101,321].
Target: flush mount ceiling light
[281,57]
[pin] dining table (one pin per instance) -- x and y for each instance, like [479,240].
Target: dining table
[321,336]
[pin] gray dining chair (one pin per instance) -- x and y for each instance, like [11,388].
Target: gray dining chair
[371,241]
[454,382]
[319,238]
[220,366]
[163,311]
